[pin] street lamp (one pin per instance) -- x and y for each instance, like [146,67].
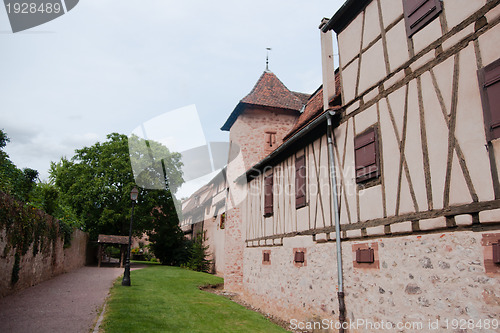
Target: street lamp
[126,275]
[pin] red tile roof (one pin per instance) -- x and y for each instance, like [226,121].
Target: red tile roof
[269,91]
[314,108]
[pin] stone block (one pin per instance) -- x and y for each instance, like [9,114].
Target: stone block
[321,238]
[354,233]
[431,224]
[375,231]
[489,216]
[464,219]
[401,228]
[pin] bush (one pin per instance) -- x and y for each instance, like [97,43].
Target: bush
[198,255]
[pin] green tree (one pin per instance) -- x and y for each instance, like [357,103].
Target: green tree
[198,255]
[16,182]
[97,181]
[167,239]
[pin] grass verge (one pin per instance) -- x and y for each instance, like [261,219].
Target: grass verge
[167,299]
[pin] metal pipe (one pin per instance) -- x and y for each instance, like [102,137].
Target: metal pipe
[333,181]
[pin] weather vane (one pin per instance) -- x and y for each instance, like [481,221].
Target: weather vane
[267,58]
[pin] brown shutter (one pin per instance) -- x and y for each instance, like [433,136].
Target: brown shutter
[299,257]
[268,195]
[300,182]
[489,80]
[418,13]
[366,155]
[365,256]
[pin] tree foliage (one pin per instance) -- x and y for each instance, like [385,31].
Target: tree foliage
[96,182]
[14,181]
[198,255]
[167,239]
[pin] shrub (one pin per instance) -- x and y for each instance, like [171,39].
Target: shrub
[198,255]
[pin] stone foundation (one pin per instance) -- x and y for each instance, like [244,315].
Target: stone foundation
[424,278]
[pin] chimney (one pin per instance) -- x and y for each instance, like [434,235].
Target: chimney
[327,65]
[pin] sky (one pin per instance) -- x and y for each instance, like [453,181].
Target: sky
[111,65]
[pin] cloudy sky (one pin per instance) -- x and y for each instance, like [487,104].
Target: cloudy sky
[112,65]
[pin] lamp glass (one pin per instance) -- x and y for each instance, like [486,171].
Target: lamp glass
[134,194]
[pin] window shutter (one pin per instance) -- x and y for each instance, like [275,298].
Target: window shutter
[299,257]
[489,80]
[300,182]
[418,13]
[366,155]
[365,256]
[268,195]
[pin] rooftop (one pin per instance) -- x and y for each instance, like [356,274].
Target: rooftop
[268,92]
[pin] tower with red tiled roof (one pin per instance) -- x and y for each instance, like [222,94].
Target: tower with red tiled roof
[261,119]
[256,127]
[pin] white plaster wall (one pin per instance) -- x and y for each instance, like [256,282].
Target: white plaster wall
[372,24]
[349,79]
[397,46]
[350,40]
[470,125]
[427,35]
[488,45]
[391,10]
[370,203]
[366,118]
[372,67]
[458,10]
[413,147]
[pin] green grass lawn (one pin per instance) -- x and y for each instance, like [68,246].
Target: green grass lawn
[167,299]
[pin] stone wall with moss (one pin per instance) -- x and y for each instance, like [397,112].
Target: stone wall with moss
[34,246]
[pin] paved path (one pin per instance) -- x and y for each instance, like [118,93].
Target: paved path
[67,303]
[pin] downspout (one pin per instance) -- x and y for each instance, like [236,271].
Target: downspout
[333,183]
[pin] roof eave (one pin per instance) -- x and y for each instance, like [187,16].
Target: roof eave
[268,160]
[341,19]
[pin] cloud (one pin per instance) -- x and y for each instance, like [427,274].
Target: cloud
[113,64]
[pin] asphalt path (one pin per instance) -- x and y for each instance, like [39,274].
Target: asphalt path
[67,303]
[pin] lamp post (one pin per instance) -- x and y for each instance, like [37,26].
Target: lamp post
[126,275]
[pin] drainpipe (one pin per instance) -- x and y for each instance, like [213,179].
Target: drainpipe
[333,182]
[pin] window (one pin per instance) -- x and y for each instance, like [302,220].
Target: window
[299,257]
[489,85]
[365,256]
[268,195]
[367,155]
[270,139]
[266,257]
[419,13]
[300,181]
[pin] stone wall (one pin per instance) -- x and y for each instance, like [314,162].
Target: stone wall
[430,277]
[34,269]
